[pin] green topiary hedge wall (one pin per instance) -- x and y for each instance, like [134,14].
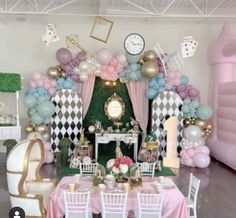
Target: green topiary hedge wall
[96,112]
[100,96]
[10,82]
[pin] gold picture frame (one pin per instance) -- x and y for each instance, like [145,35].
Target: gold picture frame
[101,29]
[114,108]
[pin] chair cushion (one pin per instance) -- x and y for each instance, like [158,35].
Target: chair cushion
[189,202]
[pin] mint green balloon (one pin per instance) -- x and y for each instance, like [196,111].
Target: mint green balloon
[37,119]
[46,109]
[204,112]
[30,101]
[132,59]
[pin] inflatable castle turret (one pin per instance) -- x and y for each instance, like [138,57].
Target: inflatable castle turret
[223,58]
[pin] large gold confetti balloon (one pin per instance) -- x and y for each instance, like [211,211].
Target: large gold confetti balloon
[149,69]
[149,56]
[29,128]
[53,72]
[41,129]
[201,123]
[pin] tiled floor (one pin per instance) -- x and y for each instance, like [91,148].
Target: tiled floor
[217,196]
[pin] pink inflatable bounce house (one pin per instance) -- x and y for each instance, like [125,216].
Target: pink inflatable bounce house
[223,58]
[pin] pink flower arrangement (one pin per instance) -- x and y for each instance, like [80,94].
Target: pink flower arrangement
[119,166]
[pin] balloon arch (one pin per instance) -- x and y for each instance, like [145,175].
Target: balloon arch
[73,71]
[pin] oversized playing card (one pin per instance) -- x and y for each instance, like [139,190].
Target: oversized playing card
[50,35]
[186,49]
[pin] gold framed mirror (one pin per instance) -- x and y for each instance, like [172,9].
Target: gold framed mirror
[114,108]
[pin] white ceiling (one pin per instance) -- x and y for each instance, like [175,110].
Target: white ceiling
[208,9]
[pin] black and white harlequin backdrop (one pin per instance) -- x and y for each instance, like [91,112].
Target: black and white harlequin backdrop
[166,104]
[67,119]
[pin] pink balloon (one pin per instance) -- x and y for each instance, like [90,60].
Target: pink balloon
[52,91]
[171,75]
[121,58]
[32,84]
[168,86]
[63,56]
[177,82]
[190,152]
[110,69]
[103,56]
[37,76]
[53,83]
[39,82]
[203,149]
[49,157]
[201,160]
[47,85]
[189,162]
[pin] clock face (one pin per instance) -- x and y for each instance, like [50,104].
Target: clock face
[134,44]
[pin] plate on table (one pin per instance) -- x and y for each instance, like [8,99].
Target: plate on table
[85,189]
[117,190]
[148,191]
[168,186]
[66,186]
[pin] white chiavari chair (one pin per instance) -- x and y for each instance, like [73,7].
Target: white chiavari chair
[149,205]
[88,169]
[114,205]
[191,200]
[77,204]
[146,169]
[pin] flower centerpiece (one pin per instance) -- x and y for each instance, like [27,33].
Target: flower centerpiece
[120,167]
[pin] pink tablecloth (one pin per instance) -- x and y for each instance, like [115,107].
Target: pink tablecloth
[174,205]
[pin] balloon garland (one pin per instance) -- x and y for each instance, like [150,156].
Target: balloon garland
[71,71]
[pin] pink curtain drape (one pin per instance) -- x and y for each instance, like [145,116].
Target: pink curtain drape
[86,93]
[137,94]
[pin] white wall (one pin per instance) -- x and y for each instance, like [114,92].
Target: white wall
[21,49]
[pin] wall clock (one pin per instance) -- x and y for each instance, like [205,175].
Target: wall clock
[134,43]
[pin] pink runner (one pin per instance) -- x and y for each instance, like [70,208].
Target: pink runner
[174,204]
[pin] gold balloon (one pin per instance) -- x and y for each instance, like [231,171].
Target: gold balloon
[201,123]
[209,126]
[149,55]
[41,129]
[203,133]
[29,128]
[63,74]
[53,72]
[149,69]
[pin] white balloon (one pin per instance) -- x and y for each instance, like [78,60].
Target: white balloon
[202,141]
[84,66]
[83,76]
[76,70]
[193,133]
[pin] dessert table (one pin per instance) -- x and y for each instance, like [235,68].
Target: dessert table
[173,206]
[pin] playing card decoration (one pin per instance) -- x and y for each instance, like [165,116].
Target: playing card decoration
[188,47]
[50,35]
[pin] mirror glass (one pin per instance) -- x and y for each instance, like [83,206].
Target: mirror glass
[114,107]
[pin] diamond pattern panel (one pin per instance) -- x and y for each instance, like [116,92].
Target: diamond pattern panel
[67,120]
[165,105]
